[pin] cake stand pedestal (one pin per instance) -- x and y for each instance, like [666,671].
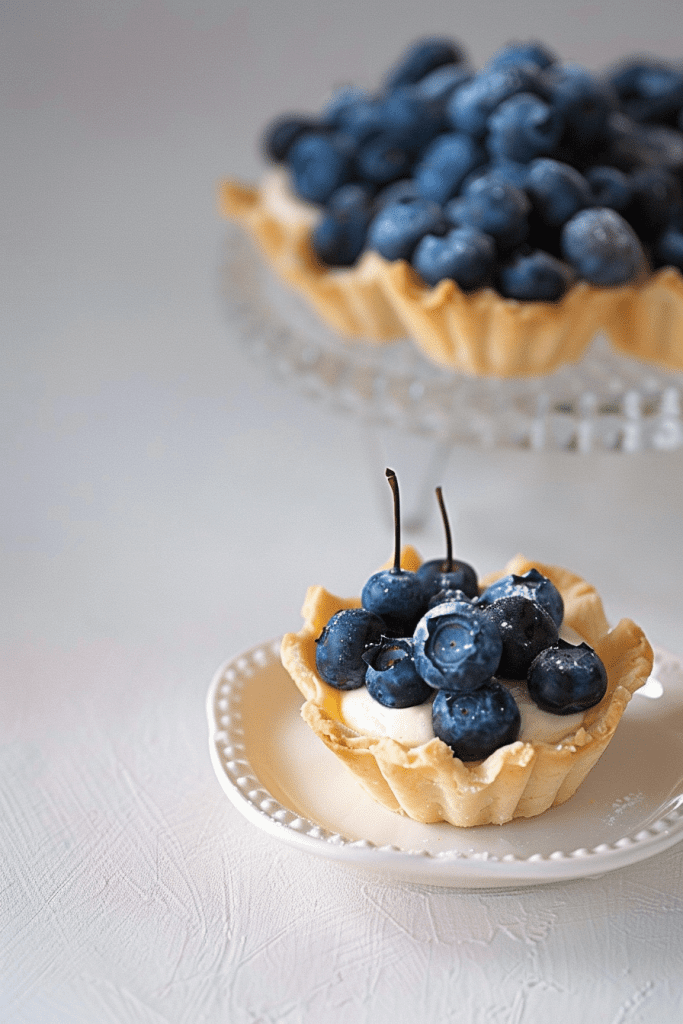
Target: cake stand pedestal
[606,402]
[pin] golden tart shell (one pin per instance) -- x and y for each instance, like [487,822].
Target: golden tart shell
[520,780]
[480,333]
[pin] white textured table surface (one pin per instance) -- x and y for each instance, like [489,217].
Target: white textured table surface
[165,505]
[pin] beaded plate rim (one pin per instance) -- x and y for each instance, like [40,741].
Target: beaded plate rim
[454,868]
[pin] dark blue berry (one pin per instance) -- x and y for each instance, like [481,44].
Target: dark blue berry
[338,238]
[567,679]
[445,164]
[352,197]
[422,57]
[536,276]
[381,159]
[558,190]
[439,574]
[340,647]
[438,85]
[522,128]
[341,101]
[475,724]
[319,164]
[609,187]
[514,54]
[602,247]
[391,677]
[668,249]
[398,597]
[464,255]
[533,585]
[410,118]
[361,118]
[396,192]
[584,103]
[457,647]
[649,90]
[397,228]
[526,629]
[472,104]
[282,133]
[447,594]
[632,146]
[507,171]
[655,200]
[496,208]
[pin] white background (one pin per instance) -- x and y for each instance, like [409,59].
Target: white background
[165,504]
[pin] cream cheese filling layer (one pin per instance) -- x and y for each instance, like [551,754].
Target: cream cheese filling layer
[413,726]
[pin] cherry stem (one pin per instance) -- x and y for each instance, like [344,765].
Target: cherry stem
[393,483]
[447,530]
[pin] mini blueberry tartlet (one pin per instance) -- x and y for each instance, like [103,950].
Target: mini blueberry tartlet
[499,217]
[470,756]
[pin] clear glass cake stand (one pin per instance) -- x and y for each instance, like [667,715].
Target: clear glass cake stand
[606,402]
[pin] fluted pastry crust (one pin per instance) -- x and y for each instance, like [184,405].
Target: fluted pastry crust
[481,333]
[427,782]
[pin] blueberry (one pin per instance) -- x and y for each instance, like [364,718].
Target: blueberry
[507,171]
[567,679]
[557,190]
[664,145]
[422,57]
[438,85]
[475,724]
[447,594]
[655,198]
[361,118]
[583,101]
[602,247]
[382,159]
[439,573]
[410,118]
[340,647]
[352,197]
[526,629]
[649,90]
[523,127]
[397,228]
[464,255]
[668,249]
[391,677]
[282,133]
[498,209]
[609,187]
[472,104]
[513,54]
[338,238]
[398,597]
[632,146]
[457,647]
[341,102]
[536,276]
[533,585]
[510,171]
[445,163]
[396,192]
[319,164]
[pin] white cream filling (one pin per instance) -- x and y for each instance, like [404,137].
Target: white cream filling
[413,726]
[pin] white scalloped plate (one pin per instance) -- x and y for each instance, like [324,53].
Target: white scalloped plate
[281,778]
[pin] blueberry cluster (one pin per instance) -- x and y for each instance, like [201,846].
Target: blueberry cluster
[524,175]
[431,630]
